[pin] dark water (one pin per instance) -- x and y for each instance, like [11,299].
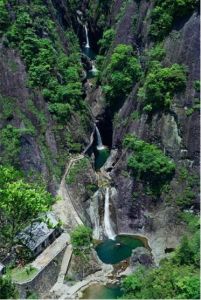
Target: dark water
[97,291]
[100,157]
[114,251]
[89,52]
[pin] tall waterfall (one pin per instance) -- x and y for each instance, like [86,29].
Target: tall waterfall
[108,227]
[87,37]
[99,140]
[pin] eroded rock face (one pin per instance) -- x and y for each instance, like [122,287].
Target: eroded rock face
[141,257]
[26,105]
[176,133]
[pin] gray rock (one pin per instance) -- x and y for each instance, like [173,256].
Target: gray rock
[141,256]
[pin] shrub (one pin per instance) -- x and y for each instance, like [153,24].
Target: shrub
[121,74]
[148,163]
[169,281]
[57,75]
[160,85]
[20,201]
[106,41]
[81,239]
[7,288]
[165,12]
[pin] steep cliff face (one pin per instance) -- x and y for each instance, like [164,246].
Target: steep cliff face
[32,138]
[175,131]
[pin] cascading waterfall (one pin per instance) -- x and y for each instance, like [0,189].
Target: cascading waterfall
[87,37]
[99,140]
[107,224]
[93,70]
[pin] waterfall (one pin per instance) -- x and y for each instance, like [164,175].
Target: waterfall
[99,140]
[87,37]
[94,215]
[108,227]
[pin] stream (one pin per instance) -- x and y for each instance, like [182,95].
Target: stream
[112,248]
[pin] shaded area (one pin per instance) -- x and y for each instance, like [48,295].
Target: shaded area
[100,157]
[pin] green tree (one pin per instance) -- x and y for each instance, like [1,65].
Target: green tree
[121,74]
[149,163]
[81,239]
[7,288]
[20,202]
[166,12]
[160,86]
[106,41]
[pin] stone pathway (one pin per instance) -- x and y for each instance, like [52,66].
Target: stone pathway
[64,208]
[63,291]
[51,252]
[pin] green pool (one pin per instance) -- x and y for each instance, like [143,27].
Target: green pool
[114,251]
[100,157]
[97,291]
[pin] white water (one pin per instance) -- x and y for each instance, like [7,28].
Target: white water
[87,36]
[93,70]
[108,227]
[99,140]
[94,215]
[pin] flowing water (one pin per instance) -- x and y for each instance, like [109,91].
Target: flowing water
[115,251]
[87,37]
[101,153]
[107,222]
[97,291]
[99,140]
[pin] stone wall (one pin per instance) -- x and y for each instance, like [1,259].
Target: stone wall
[44,281]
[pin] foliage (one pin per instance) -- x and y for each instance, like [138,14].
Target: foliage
[148,162]
[81,239]
[57,75]
[197,85]
[121,74]
[23,274]
[177,277]
[7,288]
[166,12]
[99,11]
[10,142]
[160,85]
[20,202]
[4,17]
[75,170]
[156,53]
[107,39]
[167,281]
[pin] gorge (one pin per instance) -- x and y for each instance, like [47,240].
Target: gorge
[99,124]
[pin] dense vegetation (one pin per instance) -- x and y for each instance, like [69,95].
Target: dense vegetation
[122,72]
[81,239]
[166,12]
[160,85]
[176,278]
[56,72]
[7,288]
[148,162]
[20,202]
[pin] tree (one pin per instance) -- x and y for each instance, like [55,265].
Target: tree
[7,288]
[161,84]
[81,239]
[20,202]
[122,72]
[148,163]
